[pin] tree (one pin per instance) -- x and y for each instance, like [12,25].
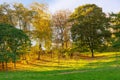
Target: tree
[7,14]
[115,25]
[13,43]
[90,28]
[16,15]
[61,27]
[23,16]
[115,29]
[42,24]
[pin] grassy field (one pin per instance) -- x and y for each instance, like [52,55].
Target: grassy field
[97,74]
[104,66]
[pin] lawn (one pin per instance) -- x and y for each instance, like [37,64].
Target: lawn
[96,74]
[104,67]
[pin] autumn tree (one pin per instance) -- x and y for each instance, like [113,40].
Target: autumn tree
[61,27]
[42,26]
[23,16]
[17,15]
[7,14]
[90,28]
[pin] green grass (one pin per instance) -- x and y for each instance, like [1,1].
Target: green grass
[94,74]
[99,68]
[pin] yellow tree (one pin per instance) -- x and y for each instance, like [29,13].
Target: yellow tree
[7,14]
[41,23]
[23,16]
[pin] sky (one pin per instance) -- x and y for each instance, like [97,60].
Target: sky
[108,6]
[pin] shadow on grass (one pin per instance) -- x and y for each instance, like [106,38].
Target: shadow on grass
[41,65]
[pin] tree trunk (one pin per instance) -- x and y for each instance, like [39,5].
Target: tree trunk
[15,65]
[2,65]
[6,66]
[39,51]
[92,53]
[14,60]
[38,55]
[66,44]
[62,45]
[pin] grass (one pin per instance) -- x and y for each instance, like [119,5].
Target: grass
[97,74]
[104,67]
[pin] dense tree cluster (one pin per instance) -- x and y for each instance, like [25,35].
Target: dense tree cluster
[13,43]
[87,29]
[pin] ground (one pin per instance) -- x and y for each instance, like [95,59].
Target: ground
[105,66]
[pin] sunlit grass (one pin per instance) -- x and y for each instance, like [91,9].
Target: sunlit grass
[48,64]
[102,67]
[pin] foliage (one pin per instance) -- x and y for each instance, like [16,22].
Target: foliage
[23,16]
[7,14]
[41,22]
[61,28]
[115,25]
[13,43]
[90,27]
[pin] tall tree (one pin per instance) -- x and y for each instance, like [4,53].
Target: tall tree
[61,27]
[42,24]
[90,28]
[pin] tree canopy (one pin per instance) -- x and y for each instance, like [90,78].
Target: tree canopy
[90,26]
[13,43]
[115,21]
